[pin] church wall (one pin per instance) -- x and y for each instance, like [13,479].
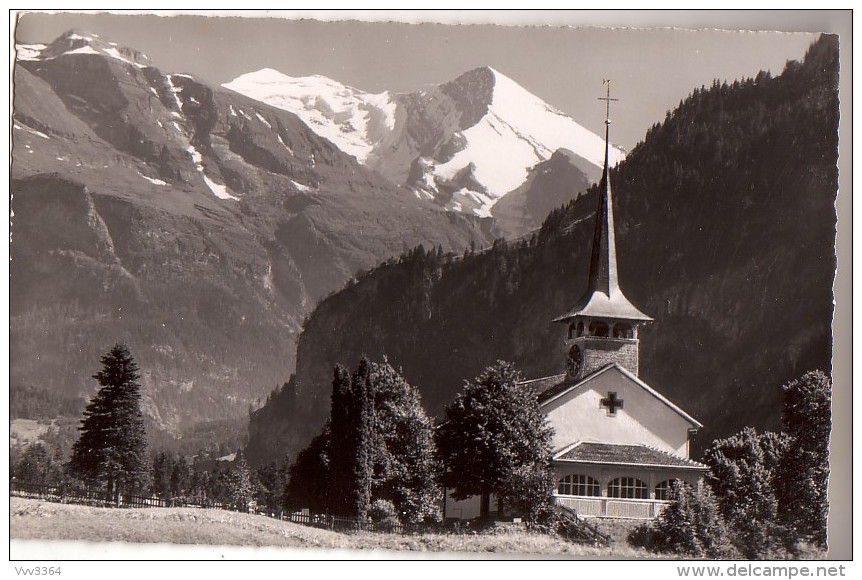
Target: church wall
[644,419]
[599,353]
[465,509]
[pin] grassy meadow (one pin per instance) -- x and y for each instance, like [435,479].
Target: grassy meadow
[32,519]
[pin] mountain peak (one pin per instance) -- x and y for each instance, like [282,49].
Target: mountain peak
[482,120]
[76,41]
[472,93]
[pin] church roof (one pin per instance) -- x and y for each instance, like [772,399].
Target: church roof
[546,385]
[603,297]
[550,388]
[597,304]
[622,454]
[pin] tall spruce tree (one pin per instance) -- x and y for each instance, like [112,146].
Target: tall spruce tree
[362,413]
[112,448]
[496,440]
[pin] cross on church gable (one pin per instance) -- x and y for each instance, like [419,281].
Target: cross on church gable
[612,403]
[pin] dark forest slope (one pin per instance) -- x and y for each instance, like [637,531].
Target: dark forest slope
[725,235]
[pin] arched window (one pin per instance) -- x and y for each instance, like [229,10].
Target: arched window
[580,329]
[599,329]
[572,331]
[662,490]
[628,488]
[579,485]
[623,331]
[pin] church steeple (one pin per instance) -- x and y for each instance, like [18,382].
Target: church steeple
[603,263]
[603,324]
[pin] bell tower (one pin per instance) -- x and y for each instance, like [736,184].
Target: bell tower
[602,328]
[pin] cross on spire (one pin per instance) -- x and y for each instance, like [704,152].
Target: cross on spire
[603,297]
[607,99]
[612,403]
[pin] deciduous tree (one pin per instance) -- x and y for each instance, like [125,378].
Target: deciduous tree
[743,476]
[691,525]
[378,445]
[495,434]
[403,447]
[804,467]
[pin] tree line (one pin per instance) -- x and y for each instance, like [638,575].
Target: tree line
[111,454]
[381,458]
[764,496]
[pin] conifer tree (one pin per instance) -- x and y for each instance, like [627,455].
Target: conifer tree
[241,489]
[340,444]
[308,484]
[272,479]
[112,448]
[160,481]
[362,407]
[181,477]
[350,461]
[37,464]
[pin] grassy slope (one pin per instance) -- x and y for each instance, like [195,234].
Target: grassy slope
[27,430]
[38,520]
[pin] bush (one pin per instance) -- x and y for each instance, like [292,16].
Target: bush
[690,525]
[384,515]
[642,536]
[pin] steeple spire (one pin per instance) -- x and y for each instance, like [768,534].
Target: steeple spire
[603,263]
[603,297]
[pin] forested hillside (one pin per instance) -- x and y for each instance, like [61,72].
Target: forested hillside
[725,236]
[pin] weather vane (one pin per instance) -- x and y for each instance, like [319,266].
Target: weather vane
[607,100]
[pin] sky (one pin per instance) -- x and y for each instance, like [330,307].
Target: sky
[556,57]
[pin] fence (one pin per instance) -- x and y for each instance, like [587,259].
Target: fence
[97,497]
[342,524]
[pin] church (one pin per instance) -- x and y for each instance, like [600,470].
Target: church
[618,442]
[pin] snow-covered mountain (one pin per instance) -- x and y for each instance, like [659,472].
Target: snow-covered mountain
[78,42]
[352,119]
[465,144]
[196,224]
